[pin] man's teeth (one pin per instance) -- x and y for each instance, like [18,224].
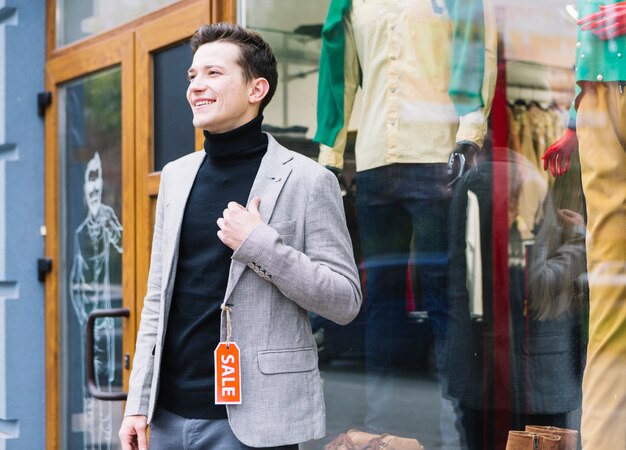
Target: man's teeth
[203,102]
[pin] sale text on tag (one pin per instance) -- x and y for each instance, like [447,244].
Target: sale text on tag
[227,374]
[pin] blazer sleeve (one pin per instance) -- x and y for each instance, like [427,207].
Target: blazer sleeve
[143,361]
[323,278]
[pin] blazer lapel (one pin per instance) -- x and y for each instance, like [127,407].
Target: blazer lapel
[268,183]
[177,200]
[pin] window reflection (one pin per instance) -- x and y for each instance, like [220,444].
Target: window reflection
[478,300]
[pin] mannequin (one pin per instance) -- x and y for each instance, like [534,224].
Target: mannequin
[426,99]
[598,128]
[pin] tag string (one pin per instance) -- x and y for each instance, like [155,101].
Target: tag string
[229,324]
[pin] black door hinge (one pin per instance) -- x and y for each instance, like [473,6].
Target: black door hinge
[6,12]
[44,267]
[44,99]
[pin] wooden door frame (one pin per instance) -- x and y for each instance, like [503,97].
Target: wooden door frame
[104,53]
[151,37]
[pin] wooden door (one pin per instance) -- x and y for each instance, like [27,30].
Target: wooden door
[90,220]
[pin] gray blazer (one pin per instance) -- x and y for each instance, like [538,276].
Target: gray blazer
[300,259]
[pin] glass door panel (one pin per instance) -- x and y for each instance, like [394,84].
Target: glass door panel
[78,19]
[91,230]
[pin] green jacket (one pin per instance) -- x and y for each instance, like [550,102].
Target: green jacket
[597,60]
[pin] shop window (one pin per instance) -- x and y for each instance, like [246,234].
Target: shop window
[475,293]
[293,29]
[78,19]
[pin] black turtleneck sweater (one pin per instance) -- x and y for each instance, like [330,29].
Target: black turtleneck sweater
[193,328]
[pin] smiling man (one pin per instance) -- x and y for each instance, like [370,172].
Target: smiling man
[248,238]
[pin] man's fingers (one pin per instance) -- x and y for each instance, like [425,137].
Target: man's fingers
[254,205]
[235,206]
[220,223]
[142,442]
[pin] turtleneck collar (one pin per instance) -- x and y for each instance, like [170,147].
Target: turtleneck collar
[246,139]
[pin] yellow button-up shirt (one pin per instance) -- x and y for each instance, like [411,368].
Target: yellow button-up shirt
[402,49]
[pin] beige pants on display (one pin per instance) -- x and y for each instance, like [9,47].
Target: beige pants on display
[601,130]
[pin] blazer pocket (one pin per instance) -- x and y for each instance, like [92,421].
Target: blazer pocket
[288,360]
[284,228]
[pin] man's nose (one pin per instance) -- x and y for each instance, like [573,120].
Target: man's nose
[197,85]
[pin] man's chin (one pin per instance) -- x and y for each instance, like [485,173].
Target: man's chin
[203,125]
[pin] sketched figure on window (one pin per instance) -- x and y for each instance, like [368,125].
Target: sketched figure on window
[90,289]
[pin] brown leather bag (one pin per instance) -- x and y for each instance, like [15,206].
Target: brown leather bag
[525,440]
[360,440]
[569,438]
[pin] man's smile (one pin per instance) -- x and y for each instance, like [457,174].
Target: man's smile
[202,102]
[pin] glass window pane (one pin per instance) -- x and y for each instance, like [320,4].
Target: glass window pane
[293,29]
[78,19]
[174,134]
[477,297]
[91,271]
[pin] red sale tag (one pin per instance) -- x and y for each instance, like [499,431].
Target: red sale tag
[227,374]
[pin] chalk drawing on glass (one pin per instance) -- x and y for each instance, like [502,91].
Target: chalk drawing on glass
[99,234]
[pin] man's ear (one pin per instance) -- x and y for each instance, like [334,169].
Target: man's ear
[258,90]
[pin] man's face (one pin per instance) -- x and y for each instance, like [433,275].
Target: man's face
[217,93]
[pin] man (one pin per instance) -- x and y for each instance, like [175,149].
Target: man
[247,275]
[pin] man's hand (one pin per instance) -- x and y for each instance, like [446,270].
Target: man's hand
[559,155]
[133,433]
[462,159]
[608,23]
[238,222]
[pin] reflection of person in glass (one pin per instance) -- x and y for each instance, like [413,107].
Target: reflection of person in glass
[90,290]
[542,360]
[598,128]
[427,73]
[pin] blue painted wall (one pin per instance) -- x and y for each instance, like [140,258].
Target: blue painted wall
[22,209]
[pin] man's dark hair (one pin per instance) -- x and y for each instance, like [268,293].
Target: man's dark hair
[256,57]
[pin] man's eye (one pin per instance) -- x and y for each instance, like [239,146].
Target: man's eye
[190,77]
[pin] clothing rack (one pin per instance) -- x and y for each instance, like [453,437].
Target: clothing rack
[544,97]
[540,83]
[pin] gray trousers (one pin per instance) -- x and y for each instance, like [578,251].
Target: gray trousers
[169,431]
